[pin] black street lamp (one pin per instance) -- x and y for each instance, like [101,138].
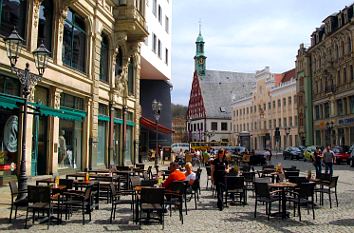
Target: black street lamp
[28,81]
[156,108]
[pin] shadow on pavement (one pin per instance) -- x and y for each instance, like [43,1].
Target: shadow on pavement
[343,222]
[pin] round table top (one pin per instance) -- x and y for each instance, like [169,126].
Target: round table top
[283,185]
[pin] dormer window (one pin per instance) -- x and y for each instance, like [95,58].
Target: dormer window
[222,109]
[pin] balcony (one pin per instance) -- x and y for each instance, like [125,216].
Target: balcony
[130,19]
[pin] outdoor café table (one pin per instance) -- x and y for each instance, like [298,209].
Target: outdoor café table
[283,186]
[83,183]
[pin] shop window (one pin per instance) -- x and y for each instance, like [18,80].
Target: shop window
[74,41]
[104,62]
[45,24]
[13,13]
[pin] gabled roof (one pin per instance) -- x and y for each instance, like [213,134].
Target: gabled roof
[288,75]
[220,88]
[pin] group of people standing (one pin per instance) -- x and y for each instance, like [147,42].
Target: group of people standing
[326,158]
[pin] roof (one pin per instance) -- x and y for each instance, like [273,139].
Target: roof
[288,75]
[200,38]
[220,88]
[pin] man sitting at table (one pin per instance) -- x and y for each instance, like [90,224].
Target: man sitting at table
[175,175]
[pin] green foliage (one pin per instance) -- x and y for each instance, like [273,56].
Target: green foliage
[178,110]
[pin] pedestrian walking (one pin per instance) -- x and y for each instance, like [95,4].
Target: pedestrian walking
[219,167]
[317,160]
[328,159]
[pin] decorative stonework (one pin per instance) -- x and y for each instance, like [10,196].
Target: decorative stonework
[57,100]
[62,16]
[36,4]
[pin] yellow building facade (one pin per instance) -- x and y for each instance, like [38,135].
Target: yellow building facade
[86,107]
[269,108]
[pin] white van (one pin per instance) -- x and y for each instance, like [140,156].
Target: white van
[176,147]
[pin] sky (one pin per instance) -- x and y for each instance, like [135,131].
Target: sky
[242,35]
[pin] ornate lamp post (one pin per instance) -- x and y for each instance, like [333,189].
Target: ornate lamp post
[28,81]
[156,108]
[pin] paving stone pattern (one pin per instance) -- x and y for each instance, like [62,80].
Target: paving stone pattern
[207,218]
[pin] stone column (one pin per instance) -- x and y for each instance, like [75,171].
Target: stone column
[34,25]
[54,129]
[59,19]
[96,58]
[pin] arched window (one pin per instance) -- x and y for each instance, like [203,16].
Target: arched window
[119,63]
[74,41]
[342,48]
[13,13]
[336,51]
[104,59]
[45,24]
[131,75]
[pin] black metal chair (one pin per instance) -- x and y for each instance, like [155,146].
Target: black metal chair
[264,195]
[304,196]
[175,196]
[117,200]
[327,188]
[16,203]
[152,200]
[80,200]
[297,179]
[39,200]
[235,185]
[249,180]
[291,173]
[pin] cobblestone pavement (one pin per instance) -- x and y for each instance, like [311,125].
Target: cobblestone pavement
[208,219]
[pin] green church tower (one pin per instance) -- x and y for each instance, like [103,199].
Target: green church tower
[199,58]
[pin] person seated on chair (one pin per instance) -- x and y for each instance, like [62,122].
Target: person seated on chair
[190,175]
[175,175]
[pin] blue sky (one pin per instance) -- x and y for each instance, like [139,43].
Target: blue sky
[242,35]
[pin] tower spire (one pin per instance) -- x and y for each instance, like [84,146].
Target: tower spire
[200,26]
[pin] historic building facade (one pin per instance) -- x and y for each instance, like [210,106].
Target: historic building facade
[155,82]
[212,92]
[271,107]
[179,130]
[87,102]
[330,67]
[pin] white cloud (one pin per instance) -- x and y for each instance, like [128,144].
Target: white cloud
[242,35]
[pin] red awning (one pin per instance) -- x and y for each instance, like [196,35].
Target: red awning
[150,124]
